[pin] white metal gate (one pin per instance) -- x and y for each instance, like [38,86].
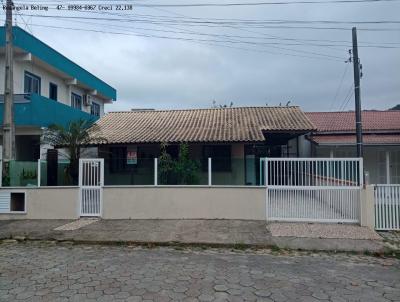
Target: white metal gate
[91,179]
[314,189]
[387,207]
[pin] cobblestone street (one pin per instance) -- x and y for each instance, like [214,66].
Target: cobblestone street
[55,272]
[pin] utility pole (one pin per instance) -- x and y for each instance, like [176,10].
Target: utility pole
[357,68]
[8,118]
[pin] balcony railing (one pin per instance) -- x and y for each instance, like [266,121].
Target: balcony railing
[38,111]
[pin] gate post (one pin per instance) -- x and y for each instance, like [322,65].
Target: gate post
[266,171]
[39,172]
[266,188]
[156,172]
[209,171]
[367,207]
[80,173]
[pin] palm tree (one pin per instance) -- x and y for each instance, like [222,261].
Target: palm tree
[73,137]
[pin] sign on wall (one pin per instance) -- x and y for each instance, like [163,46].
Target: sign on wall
[131,155]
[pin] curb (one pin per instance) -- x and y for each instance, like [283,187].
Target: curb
[277,247]
[238,246]
[331,244]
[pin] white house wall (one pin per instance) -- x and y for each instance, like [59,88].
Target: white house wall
[375,164]
[63,90]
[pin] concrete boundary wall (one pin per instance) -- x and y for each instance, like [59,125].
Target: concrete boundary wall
[47,203]
[163,202]
[178,202]
[184,203]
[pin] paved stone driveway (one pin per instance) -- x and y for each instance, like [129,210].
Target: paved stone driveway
[50,272]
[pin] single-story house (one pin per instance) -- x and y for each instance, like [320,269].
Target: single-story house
[335,137]
[235,138]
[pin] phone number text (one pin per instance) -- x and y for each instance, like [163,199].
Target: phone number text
[92,7]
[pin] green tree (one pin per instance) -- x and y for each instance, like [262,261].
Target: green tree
[181,171]
[165,165]
[76,135]
[186,169]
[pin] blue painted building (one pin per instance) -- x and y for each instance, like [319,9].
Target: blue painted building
[49,89]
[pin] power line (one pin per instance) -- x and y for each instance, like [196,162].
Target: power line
[340,86]
[301,42]
[275,20]
[23,20]
[347,99]
[182,18]
[235,3]
[264,35]
[230,41]
[263,3]
[209,42]
[274,38]
[209,23]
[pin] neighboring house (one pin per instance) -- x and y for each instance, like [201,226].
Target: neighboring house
[235,138]
[48,89]
[335,137]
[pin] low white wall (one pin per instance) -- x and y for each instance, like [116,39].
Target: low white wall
[184,203]
[247,203]
[47,203]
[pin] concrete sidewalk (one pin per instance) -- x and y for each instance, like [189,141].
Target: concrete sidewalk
[258,234]
[325,237]
[212,232]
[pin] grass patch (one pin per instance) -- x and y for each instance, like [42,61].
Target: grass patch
[240,246]
[276,249]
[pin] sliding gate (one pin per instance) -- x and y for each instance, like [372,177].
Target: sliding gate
[91,179]
[314,189]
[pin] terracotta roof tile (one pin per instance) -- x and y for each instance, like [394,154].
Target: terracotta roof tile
[372,120]
[201,125]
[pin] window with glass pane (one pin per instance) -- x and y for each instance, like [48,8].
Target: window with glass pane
[394,158]
[118,159]
[221,155]
[53,91]
[31,83]
[95,109]
[76,101]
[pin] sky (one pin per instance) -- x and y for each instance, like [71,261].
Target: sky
[169,57]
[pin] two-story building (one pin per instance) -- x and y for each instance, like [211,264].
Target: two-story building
[48,89]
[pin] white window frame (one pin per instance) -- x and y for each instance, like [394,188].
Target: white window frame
[94,104]
[75,96]
[32,77]
[9,205]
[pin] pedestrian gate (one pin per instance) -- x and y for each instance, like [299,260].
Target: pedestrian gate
[314,189]
[91,179]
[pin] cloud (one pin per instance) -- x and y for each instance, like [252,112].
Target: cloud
[163,73]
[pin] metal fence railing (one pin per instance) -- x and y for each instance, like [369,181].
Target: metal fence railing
[314,189]
[387,207]
[314,172]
